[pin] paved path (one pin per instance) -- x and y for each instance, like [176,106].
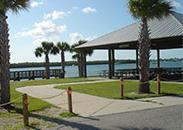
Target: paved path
[164,118]
[88,105]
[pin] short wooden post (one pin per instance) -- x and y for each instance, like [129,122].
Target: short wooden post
[121,87]
[18,76]
[158,84]
[69,94]
[25,109]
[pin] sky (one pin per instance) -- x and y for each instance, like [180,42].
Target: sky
[70,21]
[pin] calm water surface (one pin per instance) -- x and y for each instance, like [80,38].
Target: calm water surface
[95,70]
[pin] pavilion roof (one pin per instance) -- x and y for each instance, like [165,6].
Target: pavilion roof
[166,33]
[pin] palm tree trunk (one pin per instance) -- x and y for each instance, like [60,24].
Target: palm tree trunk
[80,65]
[144,54]
[4,61]
[47,67]
[63,63]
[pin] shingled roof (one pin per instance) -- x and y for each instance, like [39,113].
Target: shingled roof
[165,34]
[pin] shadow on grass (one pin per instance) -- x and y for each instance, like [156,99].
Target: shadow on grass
[152,95]
[58,121]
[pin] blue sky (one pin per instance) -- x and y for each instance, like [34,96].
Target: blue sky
[71,20]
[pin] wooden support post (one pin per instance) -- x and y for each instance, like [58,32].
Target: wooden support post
[69,94]
[110,66]
[121,87]
[18,76]
[33,75]
[158,84]
[113,62]
[137,61]
[81,71]
[29,75]
[158,58]
[25,109]
[84,66]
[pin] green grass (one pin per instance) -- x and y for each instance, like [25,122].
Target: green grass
[67,115]
[34,103]
[112,89]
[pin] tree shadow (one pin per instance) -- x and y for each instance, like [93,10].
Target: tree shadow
[133,128]
[172,95]
[89,118]
[59,121]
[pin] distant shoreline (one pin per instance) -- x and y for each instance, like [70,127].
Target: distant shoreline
[70,63]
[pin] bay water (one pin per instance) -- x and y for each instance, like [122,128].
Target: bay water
[95,70]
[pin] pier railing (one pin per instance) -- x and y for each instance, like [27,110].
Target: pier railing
[33,74]
[166,73]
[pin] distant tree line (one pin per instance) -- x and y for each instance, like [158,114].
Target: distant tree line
[67,63]
[70,63]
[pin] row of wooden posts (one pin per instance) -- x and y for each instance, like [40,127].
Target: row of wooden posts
[26,110]
[122,86]
[69,95]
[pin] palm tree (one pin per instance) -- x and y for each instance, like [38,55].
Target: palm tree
[5,6]
[63,47]
[80,56]
[46,49]
[147,10]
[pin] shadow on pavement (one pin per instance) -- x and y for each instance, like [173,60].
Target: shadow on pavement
[65,123]
[59,121]
[173,95]
[132,128]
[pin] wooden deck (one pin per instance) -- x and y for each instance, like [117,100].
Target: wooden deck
[33,74]
[166,73]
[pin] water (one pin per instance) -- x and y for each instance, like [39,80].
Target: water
[95,70]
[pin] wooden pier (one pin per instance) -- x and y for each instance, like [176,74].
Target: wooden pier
[166,73]
[33,74]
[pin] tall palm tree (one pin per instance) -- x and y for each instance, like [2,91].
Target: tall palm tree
[46,49]
[63,47]
[80,56]
[5,6]
[147,10]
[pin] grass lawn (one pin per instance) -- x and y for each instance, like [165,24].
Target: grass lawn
[46,113]
[36,104]
[112,89]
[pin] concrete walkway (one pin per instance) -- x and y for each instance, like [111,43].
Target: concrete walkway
[88,105]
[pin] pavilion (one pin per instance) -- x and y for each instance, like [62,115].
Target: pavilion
[166,33]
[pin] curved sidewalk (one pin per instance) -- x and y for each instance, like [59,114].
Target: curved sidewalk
[88,105]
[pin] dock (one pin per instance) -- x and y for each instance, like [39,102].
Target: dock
[33,74]
[165,73]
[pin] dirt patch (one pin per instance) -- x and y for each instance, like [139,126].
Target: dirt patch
[44,119]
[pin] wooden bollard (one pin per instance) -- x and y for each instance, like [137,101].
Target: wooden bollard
[121,87]
[25,110]
[158,84]
[69,94]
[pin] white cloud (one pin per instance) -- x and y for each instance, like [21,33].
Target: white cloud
[75,37]
[176,4]
[35,4]
[43,30]
[89,10]
[56,15]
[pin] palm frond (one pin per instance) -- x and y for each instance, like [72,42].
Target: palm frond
[47,46]
[75,56]
[13,5]
[79,51]
[54,50]
[64,46]
[150,9]
[39,51]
